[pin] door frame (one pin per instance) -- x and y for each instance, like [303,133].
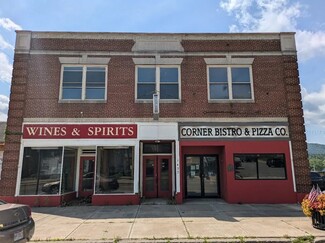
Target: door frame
[157,175]
[201,179]
[82,193]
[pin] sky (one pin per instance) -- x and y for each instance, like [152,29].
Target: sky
[304,17]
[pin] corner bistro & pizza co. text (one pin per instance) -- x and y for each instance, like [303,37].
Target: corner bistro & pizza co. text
[233,131]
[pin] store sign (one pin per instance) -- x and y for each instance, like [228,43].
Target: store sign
[234,132]
[76,131]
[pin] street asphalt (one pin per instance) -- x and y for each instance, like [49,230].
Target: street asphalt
[157,221]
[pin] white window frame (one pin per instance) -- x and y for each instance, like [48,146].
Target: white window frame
[229,76]
[83,87]
[157,85]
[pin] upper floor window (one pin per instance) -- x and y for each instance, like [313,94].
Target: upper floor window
[230,83]
[158,79]
[83,83]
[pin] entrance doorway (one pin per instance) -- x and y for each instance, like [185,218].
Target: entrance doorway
[86,176]
[202,176]
[157,180]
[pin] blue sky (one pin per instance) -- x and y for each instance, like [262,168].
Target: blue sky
[305,17]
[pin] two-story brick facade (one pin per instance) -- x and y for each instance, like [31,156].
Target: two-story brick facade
[122,116]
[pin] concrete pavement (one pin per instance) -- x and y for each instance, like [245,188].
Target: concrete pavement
[194,221]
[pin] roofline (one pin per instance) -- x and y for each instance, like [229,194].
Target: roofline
[136,35]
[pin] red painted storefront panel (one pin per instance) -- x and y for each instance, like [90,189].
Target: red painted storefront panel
[243,191]
[101,200]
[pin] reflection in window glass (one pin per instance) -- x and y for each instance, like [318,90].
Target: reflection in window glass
[72,83]
[245,166]
[95,83]
[241,91]
[114,172]
[69,170]
[259,166]
[166,84]
[218,75]
[235,86]
[41,171]
[146,75]
[219,91]
[84,83]
[169,75]
[157,148]
[240,75]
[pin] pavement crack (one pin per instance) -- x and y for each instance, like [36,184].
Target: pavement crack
[179,213]
[133,221]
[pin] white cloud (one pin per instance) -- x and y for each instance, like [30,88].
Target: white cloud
[5,68]
[263,15]
[314,106]
[4,104]
[310,44]
[4,44]
[8,24]
[275,16]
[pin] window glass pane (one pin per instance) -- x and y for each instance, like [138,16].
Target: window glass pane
[218,75]
[145,91]
[168,91]
[74,76]
[146,75]
[69,170]
[95,94]
[168,75]
[79,69]
[41,171]
[114,172]
[100,69]
[157,148]
[69,93]
[240,75]
[164,148]
[271,166]
[95,75]
[241,91]
[219,91]
[245,166]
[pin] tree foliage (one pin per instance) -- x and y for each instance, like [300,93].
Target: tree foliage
[317,162]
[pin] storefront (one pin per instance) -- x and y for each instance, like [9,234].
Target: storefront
[106,163]
[239,162]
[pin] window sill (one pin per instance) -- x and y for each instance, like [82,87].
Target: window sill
[160,101]
[82,101]
[231,101]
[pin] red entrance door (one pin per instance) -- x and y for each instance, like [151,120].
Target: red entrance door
[157,181]
[86,176]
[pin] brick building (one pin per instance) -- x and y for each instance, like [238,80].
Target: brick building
[118,117]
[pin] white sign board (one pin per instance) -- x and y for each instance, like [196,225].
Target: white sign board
[234,131]
[155,101]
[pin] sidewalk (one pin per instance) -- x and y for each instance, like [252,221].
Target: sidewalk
[193,221]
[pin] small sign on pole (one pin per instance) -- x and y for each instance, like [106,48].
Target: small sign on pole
[155,102]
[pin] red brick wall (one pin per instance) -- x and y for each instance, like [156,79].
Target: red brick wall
[44,73]
[36,84]
[14,125]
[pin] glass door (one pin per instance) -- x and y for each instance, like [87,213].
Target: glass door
[157,176]
[86,176]
[201,176]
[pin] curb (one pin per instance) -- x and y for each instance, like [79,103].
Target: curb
[306,239]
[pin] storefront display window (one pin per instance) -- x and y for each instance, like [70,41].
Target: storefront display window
[114,172]
[41,171]
[259,166]
[69,170]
